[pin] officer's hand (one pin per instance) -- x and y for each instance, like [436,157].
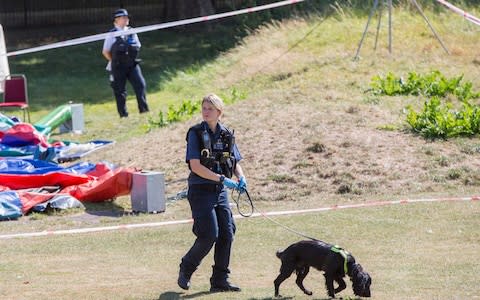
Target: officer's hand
[230,183]
[242,184]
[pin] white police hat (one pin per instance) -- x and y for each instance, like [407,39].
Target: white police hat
[120,13]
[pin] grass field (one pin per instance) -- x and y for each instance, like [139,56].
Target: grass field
[311,137]
[414,251]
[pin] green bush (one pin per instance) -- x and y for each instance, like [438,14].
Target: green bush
[186,109]
[437,119]
[430,85]
[441,120]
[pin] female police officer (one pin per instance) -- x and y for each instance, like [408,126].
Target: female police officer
[213,158]
[122,55]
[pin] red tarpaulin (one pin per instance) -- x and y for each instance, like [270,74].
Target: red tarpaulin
[22,134]
[26,181]
[108,186]
[29,200]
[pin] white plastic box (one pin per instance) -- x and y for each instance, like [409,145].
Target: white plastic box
[148,192]
[76,124]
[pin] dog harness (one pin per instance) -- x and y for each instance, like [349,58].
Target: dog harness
[343,253]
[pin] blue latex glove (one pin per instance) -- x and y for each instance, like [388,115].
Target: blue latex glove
[242,184]
[230,183]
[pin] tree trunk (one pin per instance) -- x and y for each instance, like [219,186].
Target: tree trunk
[186,9]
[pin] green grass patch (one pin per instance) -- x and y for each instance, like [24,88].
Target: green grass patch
[400,246]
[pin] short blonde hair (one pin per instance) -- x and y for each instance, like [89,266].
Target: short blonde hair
[216,101]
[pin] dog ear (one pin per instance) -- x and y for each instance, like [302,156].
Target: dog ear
[366,281]
[360,268]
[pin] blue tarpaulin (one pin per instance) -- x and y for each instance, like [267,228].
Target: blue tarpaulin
[10,205]
[35,166]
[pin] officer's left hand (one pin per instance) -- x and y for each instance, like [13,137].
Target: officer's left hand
[242,184]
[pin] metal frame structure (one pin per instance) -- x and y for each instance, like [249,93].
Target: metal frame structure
[389,6]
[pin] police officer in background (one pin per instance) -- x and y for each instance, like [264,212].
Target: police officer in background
[213,158]
[123,63]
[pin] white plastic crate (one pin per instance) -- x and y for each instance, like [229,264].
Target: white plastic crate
[76,124]
[148,192]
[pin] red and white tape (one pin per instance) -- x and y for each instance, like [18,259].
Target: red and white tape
[461,12]
[102,36]
[275,213]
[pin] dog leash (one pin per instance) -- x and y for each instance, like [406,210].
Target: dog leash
[254,208]
[334,248]
[238,201]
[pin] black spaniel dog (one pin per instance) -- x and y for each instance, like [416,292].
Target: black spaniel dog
[334,261]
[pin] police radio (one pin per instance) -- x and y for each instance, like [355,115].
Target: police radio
[207,145]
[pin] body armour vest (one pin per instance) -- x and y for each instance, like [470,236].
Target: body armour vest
[123,52]
[216,155]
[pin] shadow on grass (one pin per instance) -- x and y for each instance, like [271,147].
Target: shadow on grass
[290,297]
[105,209]
[175,295]
[274,298]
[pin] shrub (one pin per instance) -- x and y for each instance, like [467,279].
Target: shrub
[430,85]
[440,120]
[186,109]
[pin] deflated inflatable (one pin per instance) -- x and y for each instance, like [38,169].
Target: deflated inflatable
[30,173]
[85,182]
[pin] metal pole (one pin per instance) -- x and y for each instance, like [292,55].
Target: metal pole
[390,26]
[378,25]
[431,27]
[375,3]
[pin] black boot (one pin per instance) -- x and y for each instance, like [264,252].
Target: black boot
[184,275]
[224,287]
[219,282]
[184,280]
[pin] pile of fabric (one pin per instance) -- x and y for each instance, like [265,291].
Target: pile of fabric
[31,177]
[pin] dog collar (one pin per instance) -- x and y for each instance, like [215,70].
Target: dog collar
[343,253]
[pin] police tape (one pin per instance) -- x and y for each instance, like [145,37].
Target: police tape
[102,36]
[461,12]
[263,214]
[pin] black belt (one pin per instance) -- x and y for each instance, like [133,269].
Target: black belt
[208,187]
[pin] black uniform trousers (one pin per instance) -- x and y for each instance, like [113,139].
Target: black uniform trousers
[213,224]
[120,74]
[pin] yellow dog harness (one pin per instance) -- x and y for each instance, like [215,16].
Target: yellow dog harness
[343,253]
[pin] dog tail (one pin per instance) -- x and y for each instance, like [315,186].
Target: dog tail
[279,254]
